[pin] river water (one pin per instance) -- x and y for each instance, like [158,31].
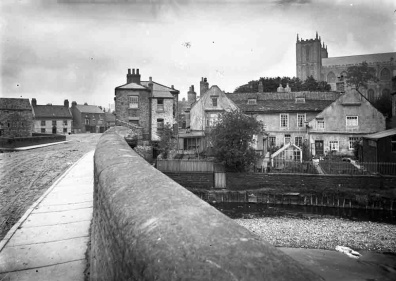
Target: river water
[257,210]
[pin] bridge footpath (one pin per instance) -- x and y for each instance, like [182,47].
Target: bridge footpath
[50,241]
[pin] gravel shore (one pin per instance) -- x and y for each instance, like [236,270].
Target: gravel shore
[323,233]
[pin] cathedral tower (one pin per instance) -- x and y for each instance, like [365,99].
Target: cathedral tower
[309,58]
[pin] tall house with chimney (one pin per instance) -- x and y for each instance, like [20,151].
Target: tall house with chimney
[52,119]
[147,104]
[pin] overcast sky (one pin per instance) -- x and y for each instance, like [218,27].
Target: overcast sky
[56,50]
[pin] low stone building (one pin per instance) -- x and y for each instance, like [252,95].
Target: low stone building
[52,119]
[87,118]
[15,117]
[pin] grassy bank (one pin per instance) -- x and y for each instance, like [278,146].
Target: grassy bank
[323,233]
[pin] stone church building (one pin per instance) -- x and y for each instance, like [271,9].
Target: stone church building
[312,59]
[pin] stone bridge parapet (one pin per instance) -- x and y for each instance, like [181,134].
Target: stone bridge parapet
[148,227]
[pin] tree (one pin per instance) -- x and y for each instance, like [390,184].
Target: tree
[358,76]
[232,139]
[384,105]
[167,140]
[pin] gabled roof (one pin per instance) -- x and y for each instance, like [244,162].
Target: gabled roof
[15,104]
[110,116]
[284,102]
[381,135]
[57,111]
[370,58]
[132,86]
[159,90]
[89,108]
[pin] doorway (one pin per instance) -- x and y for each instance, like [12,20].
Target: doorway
[319,150]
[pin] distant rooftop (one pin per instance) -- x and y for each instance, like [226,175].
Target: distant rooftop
[89,108]
[59,111]
[370,58]
[15,104]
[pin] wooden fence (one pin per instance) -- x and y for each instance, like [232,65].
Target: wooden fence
[185,166]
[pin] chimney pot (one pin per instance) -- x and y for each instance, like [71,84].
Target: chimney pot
[133,71]
[34,102]
[129,71]
[172,87]
[137,71]
[150,79]
[66,103]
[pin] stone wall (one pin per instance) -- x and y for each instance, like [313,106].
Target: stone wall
[193,180]
[147,227]
[16,123]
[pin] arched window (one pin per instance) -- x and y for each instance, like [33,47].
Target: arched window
[385,74]
[371,95]
[307,53]
[331,78]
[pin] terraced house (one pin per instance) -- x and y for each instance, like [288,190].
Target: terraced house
[87,118]
[322,121]
[52,119]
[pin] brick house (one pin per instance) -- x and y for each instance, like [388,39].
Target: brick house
[52,119]
[203,115]
[15,117]
[147,104]
[87,118]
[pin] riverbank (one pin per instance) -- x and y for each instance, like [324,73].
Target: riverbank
[323,233]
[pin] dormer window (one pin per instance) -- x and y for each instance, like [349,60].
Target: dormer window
[252,101]
[300,100]
[214,101]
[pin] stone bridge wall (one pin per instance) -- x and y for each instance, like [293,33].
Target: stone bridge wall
[148,227]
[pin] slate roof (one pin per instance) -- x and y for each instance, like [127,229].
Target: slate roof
[57,111]
[110,117]
[89,109]
[15,104]
[284,102]
[132,86]
[381,135]
[370,58]
[160,91]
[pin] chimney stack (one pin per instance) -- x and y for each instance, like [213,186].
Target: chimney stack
[34,102]
[74,104]
[66,103]
[191,95]
[150,83]
[260,87]
[134,77]
[204,86]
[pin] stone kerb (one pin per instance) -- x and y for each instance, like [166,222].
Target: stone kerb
[148,227]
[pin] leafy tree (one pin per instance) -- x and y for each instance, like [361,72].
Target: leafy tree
[167,140]
[358,76]
[232,139]
[296,85]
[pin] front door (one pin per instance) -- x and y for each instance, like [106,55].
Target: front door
[319,147]
[54,130]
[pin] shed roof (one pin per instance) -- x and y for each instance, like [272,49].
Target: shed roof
[15,104]
[381,134]
[57,111]
[370,58]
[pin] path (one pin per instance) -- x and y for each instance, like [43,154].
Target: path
[50,241]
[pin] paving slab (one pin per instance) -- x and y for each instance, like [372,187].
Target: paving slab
[59,272]
[42,254]
[50,241]
[52,233]
[64,207]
